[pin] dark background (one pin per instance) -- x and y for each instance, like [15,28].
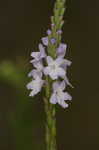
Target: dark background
[22,24]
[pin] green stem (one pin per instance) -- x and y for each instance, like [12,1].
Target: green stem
[50,122]
[50,119]
[57,21]
[50,126]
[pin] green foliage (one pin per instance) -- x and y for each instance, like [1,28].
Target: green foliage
[21,119]
[12,74]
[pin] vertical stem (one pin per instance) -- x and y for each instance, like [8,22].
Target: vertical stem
[50,121]
[57,21]
[50,126]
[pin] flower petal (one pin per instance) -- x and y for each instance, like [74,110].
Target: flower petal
[32,93]
[46,70]
[67,96]
[59,61]
[42,51]
[59,32]
[35,86]
[49,31]
[30,74]
[35,55]
[67,81]
[30,85]
[61,72]
[62,103]
[49,60]
[53,99]
[38,65]
[61,50]
[45,41]
[56,85]
[53,41]
[62,85]
[67,62]
[53,75]
[35,73]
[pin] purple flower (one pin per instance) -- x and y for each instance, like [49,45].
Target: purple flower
[61,50]
[45,41]
[39,69]
[52,25]
[54,69]
[53,40]
[38,65]
[58,95]
[35,86]
[35,73]
[59,32]
[38,55]
[66,63]
[49,32]
[67,82]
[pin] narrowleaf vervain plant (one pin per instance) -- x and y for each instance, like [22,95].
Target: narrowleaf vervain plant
[50,72]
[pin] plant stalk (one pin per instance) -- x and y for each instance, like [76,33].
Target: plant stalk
[57,22]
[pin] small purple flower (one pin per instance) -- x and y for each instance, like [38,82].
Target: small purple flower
[59,32]
[58,95]
[35,73]
[53,41]
[52,25]
[42,51]
[45,41]
[49,32]
[35,86]
[54,69]
[38,55]
[66,63]
[67,82]
[38,65]
[61,50]
[39,69]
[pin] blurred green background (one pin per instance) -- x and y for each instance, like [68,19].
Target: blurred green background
[22,24]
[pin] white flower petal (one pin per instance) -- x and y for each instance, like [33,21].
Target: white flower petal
[61,50]
[62,102]
[36,74]
[67,62]
[30,74]
[61,72]
[45,41]
[67,81]
[49,60]
[30,85]
[53,99]
[63,46]
[53,75]
[35,86]
[42,51]
[38,65]
[33,93]
[56,86]
[67,96]
[59,61]
[62,85]
[35,55]
[59,94]
[46,70]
